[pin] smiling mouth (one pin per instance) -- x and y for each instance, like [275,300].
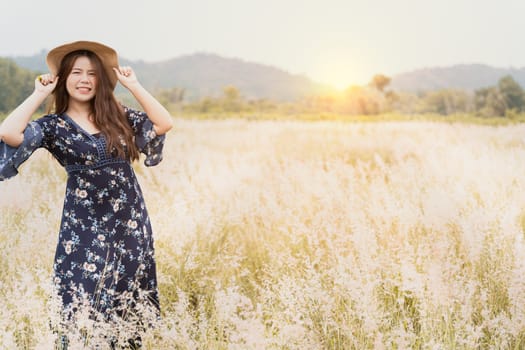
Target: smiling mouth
[84,89]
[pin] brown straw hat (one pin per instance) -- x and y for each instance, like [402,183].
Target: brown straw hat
[107,55]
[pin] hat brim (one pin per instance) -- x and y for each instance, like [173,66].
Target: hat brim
[107,55]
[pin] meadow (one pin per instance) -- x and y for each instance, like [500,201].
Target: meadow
[305,235]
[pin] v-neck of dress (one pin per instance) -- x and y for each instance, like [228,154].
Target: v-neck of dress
[81,129]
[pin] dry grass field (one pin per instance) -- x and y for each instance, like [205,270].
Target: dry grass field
[305,235]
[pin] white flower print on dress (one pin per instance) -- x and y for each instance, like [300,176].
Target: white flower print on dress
[90,267]
[132,224]
[68,247]
[81,193]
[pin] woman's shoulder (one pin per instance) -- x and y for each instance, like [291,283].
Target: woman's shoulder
[134,116]
[48,117]
[50,120]
[131,111]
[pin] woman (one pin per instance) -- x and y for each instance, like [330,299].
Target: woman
[104,258]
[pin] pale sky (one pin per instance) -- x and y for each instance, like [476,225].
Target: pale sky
[339,42]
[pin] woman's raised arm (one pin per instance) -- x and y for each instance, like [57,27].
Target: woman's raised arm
[156,112]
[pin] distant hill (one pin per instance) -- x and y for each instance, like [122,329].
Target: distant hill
[204,74]
[462,76]
[36,62]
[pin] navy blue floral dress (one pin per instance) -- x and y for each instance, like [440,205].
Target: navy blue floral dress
[105,254]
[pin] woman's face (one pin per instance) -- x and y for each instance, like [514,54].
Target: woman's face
[81,82]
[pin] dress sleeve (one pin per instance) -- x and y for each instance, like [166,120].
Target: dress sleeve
[12,157]
[147,141]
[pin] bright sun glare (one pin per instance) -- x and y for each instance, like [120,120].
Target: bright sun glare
[340,75]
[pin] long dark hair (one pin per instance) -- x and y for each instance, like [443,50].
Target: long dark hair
[108,114]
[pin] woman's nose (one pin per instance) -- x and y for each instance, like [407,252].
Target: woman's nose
[84,77]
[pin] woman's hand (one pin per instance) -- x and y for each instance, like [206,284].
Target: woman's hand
[126,76]
[45,84]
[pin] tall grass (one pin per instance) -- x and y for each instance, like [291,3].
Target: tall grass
[296,235]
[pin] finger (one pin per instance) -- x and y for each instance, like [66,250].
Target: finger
[42,79]
[118,73]
[46,79]
[126,70]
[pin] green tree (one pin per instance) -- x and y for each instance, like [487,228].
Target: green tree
[498,100]
[15,84]
[490,102]
[446,102]
[232,100]
[205,105]
[480,98]
[380,81]
[171,98]
[512,93]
